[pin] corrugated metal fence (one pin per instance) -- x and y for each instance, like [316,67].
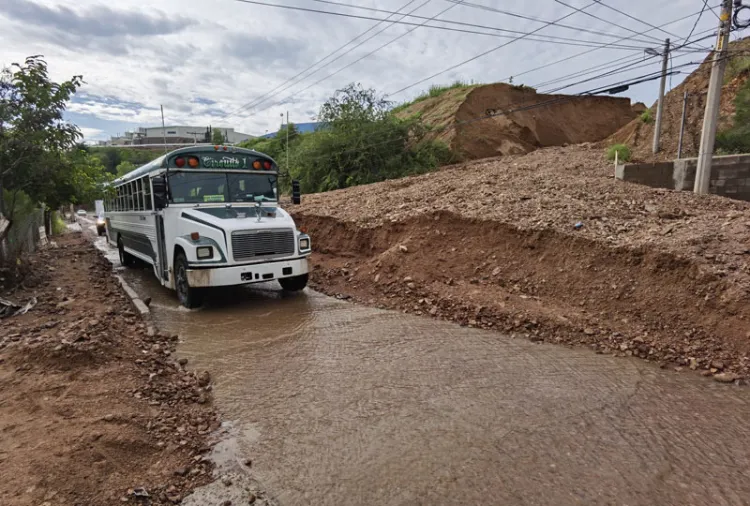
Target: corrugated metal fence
[24,237]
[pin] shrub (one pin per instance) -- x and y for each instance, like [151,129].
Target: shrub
[646,117]
[58,224]
[623,152]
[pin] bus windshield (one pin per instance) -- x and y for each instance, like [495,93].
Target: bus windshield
[200,187]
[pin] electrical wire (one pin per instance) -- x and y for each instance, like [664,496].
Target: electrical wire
[252,103]
[697,20]
[601,2]
[473,25]
[485,53]
[269,95]
[594,16]
[556,62]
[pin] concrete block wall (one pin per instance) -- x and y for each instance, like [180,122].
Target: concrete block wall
[730,175]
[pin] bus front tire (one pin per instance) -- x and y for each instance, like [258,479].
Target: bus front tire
[126,258]
[189,297]
[294,284]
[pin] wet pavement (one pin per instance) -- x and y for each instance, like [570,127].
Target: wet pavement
[338,404]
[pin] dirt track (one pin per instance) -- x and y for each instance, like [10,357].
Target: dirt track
[652,273]
[92,406]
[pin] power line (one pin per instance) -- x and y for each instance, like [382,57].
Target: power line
[259,100]
[634,18]
[453,67]
[697,20]
[594,16]
[473,25]
[358,60]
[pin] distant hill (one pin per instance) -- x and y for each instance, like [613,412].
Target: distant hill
[301,128]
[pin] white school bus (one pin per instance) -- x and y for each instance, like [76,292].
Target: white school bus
[206,216]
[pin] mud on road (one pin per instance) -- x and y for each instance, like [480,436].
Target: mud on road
[94,410]
[651,273]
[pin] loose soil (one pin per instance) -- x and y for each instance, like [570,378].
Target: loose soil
[639,135]
[94,410]
[564,120]
[551,247]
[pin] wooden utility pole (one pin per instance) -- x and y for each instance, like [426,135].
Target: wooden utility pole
[711,116]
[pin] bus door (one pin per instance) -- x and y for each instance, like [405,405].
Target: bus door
[162,264]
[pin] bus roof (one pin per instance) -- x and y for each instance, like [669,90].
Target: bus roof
[161,162]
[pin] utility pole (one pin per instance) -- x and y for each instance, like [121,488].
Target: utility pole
[287,141]
[710,117]
[682,124]
[660,104]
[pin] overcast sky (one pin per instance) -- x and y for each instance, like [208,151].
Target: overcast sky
[205,59]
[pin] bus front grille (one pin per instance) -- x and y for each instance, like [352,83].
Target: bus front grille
[249,244]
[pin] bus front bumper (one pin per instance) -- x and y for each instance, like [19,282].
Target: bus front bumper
[244,274]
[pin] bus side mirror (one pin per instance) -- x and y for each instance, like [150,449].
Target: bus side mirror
[296,194]
[159,185]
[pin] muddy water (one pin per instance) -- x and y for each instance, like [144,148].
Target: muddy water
[338,404]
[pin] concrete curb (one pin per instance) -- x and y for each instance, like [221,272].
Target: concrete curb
[139,304]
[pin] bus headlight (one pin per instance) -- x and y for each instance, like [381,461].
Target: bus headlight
[205,252]
[304,244]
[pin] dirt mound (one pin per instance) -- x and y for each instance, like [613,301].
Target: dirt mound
[639,135]
[550,246]
[565,120]
[94,405]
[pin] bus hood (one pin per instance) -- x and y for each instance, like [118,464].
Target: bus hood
[230,219]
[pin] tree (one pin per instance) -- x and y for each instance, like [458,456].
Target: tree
[33,134]
[38,149]
[361,142]
[125,167]
[217,137]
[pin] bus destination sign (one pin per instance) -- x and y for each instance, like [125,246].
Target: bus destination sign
[225,162]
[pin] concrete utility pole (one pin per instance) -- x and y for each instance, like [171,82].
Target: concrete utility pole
[710,117]
[287,141]
[682,124]
[660,103]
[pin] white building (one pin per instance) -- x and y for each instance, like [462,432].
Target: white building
[175,135]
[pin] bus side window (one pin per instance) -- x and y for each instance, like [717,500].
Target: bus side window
[139,192]
[147,192]
[131,203]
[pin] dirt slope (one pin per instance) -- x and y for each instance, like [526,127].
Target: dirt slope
[639,135]
[653,273]
[580,119]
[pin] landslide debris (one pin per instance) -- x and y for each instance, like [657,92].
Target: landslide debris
[551,247]
[638,135]
[95,410]
[563,120]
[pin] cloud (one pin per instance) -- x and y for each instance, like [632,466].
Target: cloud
[203,60]
[93,134]
[98,21]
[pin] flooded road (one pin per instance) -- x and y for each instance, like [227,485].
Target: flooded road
[338,404]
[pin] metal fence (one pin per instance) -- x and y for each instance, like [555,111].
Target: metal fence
[26,234]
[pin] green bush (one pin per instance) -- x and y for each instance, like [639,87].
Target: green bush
[737,138]
[623,153]
[646,117]
[58,224]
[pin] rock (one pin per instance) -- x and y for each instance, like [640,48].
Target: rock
[251,498]
[411,286]
[496,271]
[204,378]
[693,363]
[227,503]
[377,277]
[623,346]
[182,471]
[408,279]
[403,248]
[589,331]
[109,418]
[726,377]
[147,301]
[433,310]
[226,480]
[248,462]
[717,364]
[183,362]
